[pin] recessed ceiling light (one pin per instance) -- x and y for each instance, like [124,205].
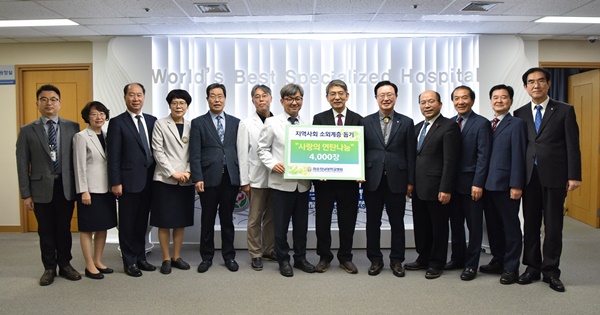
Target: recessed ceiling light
[33,23]
[213,7]
[569,19]
[254,18]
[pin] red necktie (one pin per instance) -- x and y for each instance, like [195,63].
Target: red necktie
[339,122]
[459,121]
[495,124]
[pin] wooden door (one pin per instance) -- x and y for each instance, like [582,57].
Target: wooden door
[75,84]
[583,204]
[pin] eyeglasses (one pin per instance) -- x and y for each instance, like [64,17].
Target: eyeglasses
[99,114]
[216,97]
[260,96]
[180,104]
[48,100]
[430,101]
[292,99]
[336,94]
[387,95]
[538,81]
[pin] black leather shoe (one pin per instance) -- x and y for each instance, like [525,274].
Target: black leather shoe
[397,268]
[555,284]
[375,268]
[432,273]
[304,265]
[96,276]
[48,277]
[257,264]
[69,272]
[180,264]
[453,265]
[270,257]
[528,277]
[322,266]
[468,274]
[509,277]
[165,268]
[145,265]
[285,269]
[133,271]
[494,267]
[232,265]
[204,265]
[348,267]
[415,265]
[105,270]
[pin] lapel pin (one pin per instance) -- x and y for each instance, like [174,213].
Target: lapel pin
[184,139]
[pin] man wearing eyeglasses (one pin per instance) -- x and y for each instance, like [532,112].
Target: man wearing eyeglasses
[553,168]
[390,150]
[216,175]
[290,196]
[46,182]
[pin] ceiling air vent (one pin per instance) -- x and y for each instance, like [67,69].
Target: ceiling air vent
[212,7]
[480,6]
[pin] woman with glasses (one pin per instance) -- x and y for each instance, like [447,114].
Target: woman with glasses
[173,192]
[96,206]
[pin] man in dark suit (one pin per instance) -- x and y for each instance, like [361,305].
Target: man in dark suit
[46,183]
[467,203]
[504,187]
[438,154]
[390,150]
[216,174]
[553,167]
[343,192]
[130,171]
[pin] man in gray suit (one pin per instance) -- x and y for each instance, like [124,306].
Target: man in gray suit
[45,171]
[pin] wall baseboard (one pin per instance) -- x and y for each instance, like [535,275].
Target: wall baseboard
[11,229]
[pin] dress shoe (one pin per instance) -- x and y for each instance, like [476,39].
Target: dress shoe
[555,284]
[304,265]
[180,264]
[145,265]
[48,277]
[509,277]
[204,265]
[415,265]
[105,270]
[232,265]
[257,264]
[528,277]
[375,268]
[432,273]
[348,267]
[494,267]
[397,268]
[453,265]
[468,274]
[69,272]
[322,266]
[270,257]
[133,271]
[165,268]
[285,269]
[96,276]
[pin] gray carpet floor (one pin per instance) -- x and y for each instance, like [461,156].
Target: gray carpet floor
[220,291]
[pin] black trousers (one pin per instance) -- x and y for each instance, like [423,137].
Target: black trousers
[345,195]
[286,206]
[395,204]
[54,228]
[465,209]
[543,203]
[430,219]
[504,228]
[219,199]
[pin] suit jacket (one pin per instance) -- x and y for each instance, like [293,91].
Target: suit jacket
[556,145]
[397,157]
[475,156]
[89,161]
[207,151]
[252,171]
[437,161]
[34,166]
[507,158]
[271,146]
[171,152]
[126,156]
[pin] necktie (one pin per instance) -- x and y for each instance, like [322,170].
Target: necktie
[339,121]
[422,135]
[220,129]
[293,120]
[459,121]
[386,121]
[143,136]
[538,118]
[495,124]
[52,145]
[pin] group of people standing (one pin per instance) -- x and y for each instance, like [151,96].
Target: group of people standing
[454,169]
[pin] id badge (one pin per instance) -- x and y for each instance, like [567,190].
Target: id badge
[53,156]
